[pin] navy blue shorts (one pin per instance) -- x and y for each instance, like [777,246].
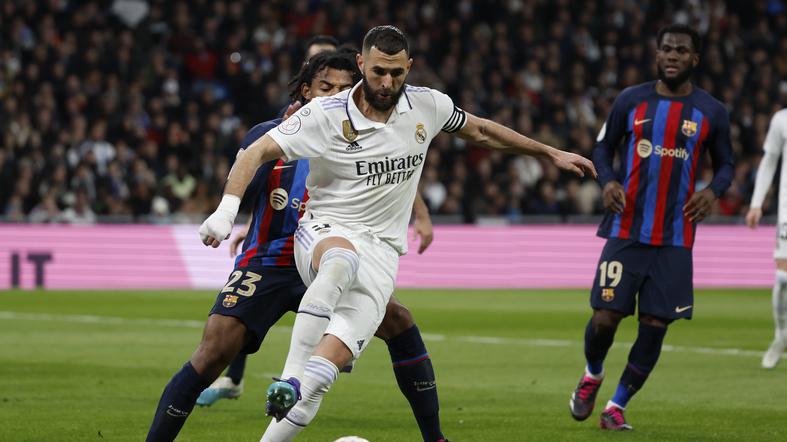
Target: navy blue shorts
[260,296]
[661,275]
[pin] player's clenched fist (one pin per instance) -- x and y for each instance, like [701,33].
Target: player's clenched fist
[218,226]
[614,197]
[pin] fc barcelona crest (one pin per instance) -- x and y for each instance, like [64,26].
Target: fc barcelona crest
[608,294]
[229,301]
[689,128]
[349,132]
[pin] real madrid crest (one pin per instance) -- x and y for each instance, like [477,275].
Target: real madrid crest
[689,128]
[420,133]
[349,132]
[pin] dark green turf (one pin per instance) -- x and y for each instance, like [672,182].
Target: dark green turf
[65,378]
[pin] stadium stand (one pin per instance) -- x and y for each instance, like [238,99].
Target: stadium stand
[133,110]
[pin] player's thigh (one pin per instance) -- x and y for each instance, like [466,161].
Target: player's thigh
[668,291]
[361,308]
[619,275]
[258,297]
[310,242]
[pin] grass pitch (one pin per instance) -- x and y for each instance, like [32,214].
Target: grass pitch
[81,366]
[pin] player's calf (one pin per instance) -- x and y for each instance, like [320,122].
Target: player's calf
[222,339]
[599,334]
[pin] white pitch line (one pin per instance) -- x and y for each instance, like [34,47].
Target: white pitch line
[485,340]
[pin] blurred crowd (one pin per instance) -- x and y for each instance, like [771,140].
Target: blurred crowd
[133,110]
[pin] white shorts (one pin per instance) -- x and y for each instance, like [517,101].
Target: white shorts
[781,241]
[361,307]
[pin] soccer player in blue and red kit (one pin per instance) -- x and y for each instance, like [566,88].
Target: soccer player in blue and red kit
[660,131]
[265,283]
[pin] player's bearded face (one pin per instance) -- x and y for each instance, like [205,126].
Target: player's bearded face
[383,77]
[675,60]
[381,99]
[674,80]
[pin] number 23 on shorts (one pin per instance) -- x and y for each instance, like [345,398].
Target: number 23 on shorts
[247,286]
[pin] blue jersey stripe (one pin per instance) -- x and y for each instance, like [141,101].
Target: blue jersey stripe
[271,258]
[254,228]
[291,214]
[629,164]
[654,169]
[683,190]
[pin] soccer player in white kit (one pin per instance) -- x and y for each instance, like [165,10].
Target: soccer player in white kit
[366,148]
[775,143]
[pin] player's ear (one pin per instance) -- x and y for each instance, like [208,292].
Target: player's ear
[695,60]
[306,92]
[409,64]
[359,61]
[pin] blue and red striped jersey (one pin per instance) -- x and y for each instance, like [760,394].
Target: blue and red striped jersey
[277,195]
[660,141]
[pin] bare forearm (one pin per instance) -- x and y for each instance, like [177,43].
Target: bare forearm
[420,209]
[261,151]
[496,136]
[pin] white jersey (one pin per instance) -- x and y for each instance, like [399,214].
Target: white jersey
[364,174]
[775,144]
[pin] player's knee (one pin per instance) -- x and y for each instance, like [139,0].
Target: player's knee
[223,338]
[339,264]
[397,320]
[606,320]
[654,321]
[326,246]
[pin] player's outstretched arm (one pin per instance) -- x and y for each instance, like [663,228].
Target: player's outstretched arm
[422,223]
[492,135]
[218,226]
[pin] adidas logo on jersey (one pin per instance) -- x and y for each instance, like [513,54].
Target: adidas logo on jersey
[353,147]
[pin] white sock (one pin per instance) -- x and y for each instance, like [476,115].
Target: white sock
[597,377]
[779,300]
[319,375]
[612,404]
[338,268]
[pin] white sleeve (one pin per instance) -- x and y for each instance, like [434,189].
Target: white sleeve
[774,143]
[303,135]
[450,118]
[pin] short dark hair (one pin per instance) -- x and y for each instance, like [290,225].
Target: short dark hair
[386,38]
[343,60]
[680,29]
[322,40]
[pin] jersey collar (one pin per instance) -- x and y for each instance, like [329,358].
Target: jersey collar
[360,122]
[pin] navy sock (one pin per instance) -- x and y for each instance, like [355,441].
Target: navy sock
[176,404]
[642,359]
[597,343]
[236,368]
[415,376]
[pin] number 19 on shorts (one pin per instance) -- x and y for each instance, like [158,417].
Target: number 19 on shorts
[610,271]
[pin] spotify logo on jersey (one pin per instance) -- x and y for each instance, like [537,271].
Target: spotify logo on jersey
[644,148]
[279,198]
